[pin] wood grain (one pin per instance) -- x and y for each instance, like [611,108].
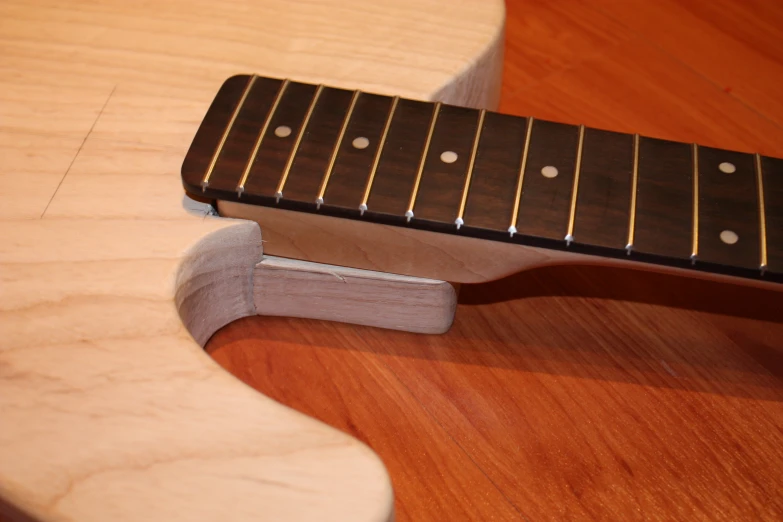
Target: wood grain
[603,205]
[111,279]
[573,393]
[294,288]
[658,231]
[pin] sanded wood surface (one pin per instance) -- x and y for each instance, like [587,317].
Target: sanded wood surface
[578,393]
[293,288]
[111,280]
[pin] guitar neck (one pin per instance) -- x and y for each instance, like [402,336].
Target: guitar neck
[481,174]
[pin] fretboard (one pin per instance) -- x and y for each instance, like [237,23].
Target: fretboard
[482,174]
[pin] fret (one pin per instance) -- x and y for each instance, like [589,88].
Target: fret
[257,145]
[495,172]
[276,148]
[544,206]
[396,171]
[240,140]
[634,189]
[664,200]
[222,142]
[320,199]
[569,237]
[378,152]
[695,219]
[297,143]
[355,156]
[772,174]
[443,177]
[728,209]
[762,213]
[417,181]
[207,136]
[512,228]
[311,165]
[471,164]
[603,209]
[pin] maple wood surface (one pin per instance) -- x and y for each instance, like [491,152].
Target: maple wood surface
[577,393]
[111,280]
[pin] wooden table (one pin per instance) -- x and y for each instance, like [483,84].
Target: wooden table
[578,393]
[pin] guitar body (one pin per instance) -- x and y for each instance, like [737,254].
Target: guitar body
[113,280]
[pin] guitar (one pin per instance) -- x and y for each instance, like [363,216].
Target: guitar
[149,425]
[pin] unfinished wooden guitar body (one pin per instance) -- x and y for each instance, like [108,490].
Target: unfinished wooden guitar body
[112,279]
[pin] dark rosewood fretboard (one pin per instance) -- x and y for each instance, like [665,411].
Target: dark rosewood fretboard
[483,174]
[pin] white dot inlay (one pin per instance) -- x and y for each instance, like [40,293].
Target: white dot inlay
[727,168]
[283,131]
[729,237]
[361,142]
[448,156]
[549,171]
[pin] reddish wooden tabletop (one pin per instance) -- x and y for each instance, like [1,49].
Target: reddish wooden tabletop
[578,393]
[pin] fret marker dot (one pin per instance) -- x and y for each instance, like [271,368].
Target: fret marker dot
[361,142]
[549,172]
[448,156]
[283,131]
[727,168]
[729,237]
